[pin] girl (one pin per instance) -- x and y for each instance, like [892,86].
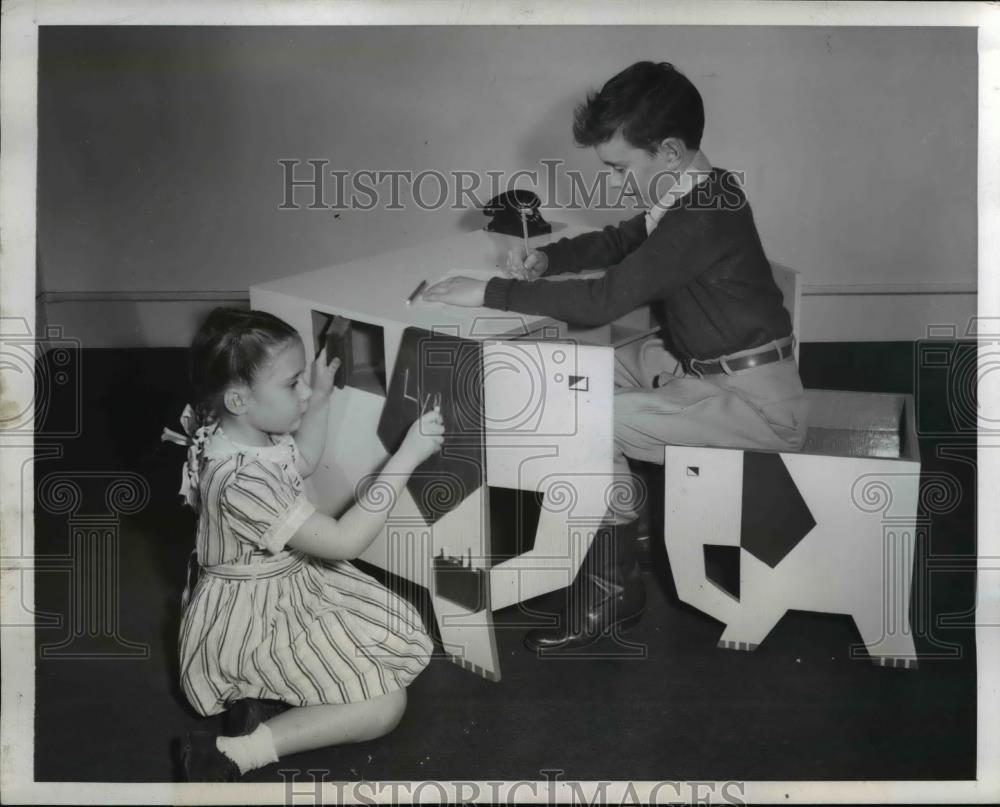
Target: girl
[278,612]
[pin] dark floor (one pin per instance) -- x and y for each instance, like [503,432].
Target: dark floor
[796,708]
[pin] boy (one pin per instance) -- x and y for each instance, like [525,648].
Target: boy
[695,256]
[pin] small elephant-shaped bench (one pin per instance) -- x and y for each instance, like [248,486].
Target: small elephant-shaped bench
[830,529]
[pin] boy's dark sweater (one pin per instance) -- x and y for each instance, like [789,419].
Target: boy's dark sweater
[702,269]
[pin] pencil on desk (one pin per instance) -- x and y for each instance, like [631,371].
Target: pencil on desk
[416,292]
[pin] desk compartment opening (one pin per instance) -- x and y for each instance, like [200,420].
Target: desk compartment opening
[360,346]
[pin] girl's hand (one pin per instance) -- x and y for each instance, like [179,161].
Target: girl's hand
[424,439]
[457,291]
[323,375]
[523,265]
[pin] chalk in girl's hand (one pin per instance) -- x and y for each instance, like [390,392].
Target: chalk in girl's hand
[432,401]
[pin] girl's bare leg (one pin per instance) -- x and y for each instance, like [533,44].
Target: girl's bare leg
[307,727]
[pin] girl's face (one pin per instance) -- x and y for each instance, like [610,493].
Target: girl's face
[280,393]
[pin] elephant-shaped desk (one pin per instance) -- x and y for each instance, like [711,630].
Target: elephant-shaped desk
[527,406]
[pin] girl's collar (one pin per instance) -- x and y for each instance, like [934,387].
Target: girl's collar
[222,445]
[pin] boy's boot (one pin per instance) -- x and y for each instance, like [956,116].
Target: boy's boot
[607,592]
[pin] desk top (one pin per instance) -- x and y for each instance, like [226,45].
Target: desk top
[375,289]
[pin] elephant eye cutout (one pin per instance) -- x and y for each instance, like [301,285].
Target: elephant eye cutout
[722,567]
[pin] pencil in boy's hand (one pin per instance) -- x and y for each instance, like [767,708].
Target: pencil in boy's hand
[524,228]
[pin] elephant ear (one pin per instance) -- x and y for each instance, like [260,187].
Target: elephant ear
[775,517]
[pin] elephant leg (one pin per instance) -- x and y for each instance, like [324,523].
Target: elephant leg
[750,626]
[888,648]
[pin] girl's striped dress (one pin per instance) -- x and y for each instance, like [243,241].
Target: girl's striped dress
[264,621]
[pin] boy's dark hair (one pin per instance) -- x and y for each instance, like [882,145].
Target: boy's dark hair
[647,102]
[231,347]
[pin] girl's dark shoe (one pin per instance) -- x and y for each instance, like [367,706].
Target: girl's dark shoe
[246,714]
[201,761]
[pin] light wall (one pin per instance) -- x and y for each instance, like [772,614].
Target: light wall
[159,182]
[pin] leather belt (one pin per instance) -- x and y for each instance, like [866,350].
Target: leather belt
[724,365]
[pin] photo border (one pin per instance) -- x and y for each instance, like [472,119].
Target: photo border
[18,160]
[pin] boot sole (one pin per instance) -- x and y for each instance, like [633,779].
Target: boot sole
[623,626]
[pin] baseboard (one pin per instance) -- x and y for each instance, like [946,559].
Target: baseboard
[844,313]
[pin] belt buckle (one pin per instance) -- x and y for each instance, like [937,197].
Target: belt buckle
[787,349]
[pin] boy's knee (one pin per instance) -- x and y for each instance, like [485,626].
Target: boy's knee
[631,415]
[625,405]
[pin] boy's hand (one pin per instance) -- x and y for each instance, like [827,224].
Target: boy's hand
[424,439]
[523,265]
[457,291]
[323,375]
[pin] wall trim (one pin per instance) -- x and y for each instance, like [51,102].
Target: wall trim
[243,295]
[145,296]
[829,313]
[894,289]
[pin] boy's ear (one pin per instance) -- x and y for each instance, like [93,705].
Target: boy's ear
[672,150]
[235,400]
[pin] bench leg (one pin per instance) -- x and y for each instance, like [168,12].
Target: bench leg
[750,626]
[886,648]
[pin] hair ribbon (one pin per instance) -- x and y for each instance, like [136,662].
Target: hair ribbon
[195,438]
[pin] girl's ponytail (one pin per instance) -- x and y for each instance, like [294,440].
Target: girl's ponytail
[204,414]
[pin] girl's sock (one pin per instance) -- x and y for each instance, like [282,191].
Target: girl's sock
[251,751]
